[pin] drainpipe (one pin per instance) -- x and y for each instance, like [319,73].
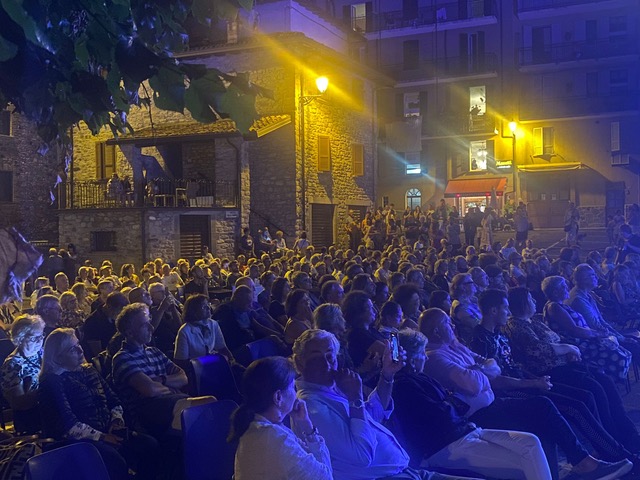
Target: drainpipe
[238,173]
[143,234]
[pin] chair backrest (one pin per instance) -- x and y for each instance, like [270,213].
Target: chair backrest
[213,376]
[79,461]
[6,347]
[265,347]
[204,437]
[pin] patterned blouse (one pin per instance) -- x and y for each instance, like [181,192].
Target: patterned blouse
[532,345]
[16,368]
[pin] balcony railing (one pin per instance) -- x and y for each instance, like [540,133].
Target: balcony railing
[441,13]
[458,124]
[562,107]
[444,67]
[532,5]
[574,51]
[158,193]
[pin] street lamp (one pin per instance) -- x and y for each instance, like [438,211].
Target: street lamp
[322,83]
[513,126]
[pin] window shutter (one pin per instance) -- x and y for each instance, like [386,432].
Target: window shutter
[357,156]
[99,160]
[537,141]
[547,138]
[615,136]
[324,153]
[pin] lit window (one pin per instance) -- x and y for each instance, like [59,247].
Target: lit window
[478,155]
[414,169]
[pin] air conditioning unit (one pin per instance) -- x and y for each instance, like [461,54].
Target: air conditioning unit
[620,159]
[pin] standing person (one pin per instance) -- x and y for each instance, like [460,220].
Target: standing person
[266,448]
[246,243]
[486,235]
[571,224]
[301,243]
[521,220]
[470,226]
[633,218]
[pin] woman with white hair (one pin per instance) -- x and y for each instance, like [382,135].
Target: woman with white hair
[20,370]
[77,404]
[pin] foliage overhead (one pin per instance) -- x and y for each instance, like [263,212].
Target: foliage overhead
[66,61]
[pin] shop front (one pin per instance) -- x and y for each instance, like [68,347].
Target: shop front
[466,193]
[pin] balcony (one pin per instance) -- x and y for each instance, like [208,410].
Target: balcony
[534,5]
[156,194]
[446,125]
[443,68]
[578,51]
[563,107]
[442,13]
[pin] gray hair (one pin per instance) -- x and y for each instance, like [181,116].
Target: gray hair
[56,343]
[24,326]
[44,301]
[456,283]
[300,345]
[549,284]
[327,316]
[128,313]
[412,341]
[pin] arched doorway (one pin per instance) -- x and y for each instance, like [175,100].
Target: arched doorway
[413,198]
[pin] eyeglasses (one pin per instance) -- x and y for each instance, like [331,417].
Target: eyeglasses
[34,338]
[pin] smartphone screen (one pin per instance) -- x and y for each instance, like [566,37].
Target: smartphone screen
[395,350]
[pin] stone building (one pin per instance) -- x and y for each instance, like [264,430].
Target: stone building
[308,159]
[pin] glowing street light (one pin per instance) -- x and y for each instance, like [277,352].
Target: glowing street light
[322,83]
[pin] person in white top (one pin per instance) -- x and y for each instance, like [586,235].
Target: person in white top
[267,449]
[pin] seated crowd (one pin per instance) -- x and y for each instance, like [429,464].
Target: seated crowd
[499,361]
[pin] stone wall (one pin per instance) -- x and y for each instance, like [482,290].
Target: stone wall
[34,177]
[142,234]
[275,200]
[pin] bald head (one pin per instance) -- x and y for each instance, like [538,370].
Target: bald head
[436,325]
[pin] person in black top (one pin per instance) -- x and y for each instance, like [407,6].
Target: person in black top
[77,404]
[100,326]
[433,426]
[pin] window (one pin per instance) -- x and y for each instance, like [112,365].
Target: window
[617,28]
[477,100]
[413,198]
[357,159]
[543,140]
[413,163]
[412,104]
[5,123]
[6,186]
[615,136]
[105,160]
[357,13]
[541,44]
[618,80]
[103,241]
[591,31]
[324,153]
[592,83]
[410,55]
[478,155]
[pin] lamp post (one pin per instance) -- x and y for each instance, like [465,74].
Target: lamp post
[322,83]
[513,126]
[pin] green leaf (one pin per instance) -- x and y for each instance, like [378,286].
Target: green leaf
[240,107]
[168,89]
[19,15]
[82,53]
[8,49]
[202,93]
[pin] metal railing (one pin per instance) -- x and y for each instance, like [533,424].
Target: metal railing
[447,124]
[569,106]
[444,67]
[157,193]
[440,13]
[532,5]
[575,51]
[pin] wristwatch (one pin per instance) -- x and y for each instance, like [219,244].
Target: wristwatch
[357,403]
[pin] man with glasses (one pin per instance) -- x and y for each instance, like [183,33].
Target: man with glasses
[49,309]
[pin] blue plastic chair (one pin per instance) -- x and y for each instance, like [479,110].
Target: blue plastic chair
[213,376]
[265,347]
[79,461]
[207,455]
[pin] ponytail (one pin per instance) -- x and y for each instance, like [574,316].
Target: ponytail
[241,418]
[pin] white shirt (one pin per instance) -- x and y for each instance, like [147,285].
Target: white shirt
[192,342]
[269,451]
